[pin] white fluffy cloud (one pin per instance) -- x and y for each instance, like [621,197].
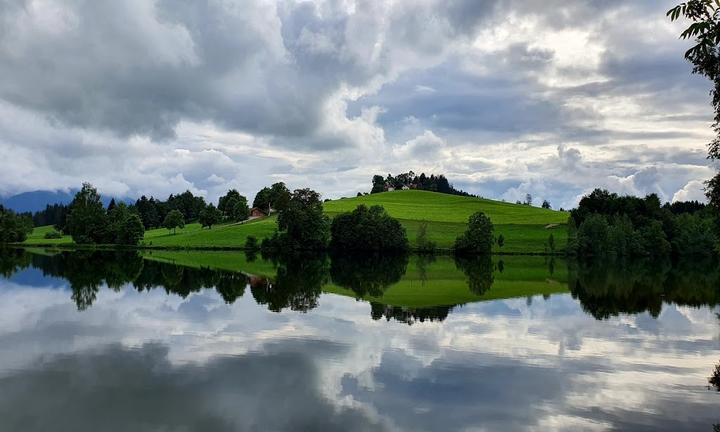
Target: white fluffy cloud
[149,97]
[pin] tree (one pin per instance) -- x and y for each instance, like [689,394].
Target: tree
[422,243]
[528,199]
[209,216]
[367,229]
[478,237]
[378,184]
[262,199]
[240,210]
[87,219]
[279,196]
[704,16]
[551,243]
[302,225]
[501,241]
[111,205]
[188,204]
[546,204]
[14,228]
[251,243]
[148,211]
[276,197]
[227,202]
[174,220]
[132,230]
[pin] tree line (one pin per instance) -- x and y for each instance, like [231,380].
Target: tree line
[607,225]
[14,227]
[434,183]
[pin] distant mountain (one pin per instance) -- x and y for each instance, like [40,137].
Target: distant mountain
[37,200]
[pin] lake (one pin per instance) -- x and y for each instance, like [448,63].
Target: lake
[216,341]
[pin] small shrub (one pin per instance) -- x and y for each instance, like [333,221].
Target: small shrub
[52,235]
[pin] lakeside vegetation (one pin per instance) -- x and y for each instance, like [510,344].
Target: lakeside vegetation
[524,228]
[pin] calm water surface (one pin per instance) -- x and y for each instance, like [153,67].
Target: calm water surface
[224,342]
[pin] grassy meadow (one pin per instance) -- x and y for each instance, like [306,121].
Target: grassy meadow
[523,227]
[526,229]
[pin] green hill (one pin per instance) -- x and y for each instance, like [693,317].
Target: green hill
[524,228]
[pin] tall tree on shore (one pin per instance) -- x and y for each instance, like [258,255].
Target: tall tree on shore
[87,219]
[704,29]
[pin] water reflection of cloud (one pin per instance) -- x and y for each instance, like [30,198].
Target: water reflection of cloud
[503,364]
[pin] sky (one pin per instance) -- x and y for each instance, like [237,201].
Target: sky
[504,97]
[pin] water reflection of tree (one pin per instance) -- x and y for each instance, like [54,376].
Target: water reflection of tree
[714,379]
[478,270]
[368,275]
[297,285]
[13,260]
[608,289]
[409,315]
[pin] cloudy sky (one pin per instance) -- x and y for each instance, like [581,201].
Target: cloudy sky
[505,97]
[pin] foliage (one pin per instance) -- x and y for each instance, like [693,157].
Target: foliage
[174,220]
[409,180]
[422,243]
[367,229]
[478,270]
[52,235]
[276,197]
[209,216]
[132,230]
[714,379]
[234,207]
[478,238]
[87,219]
[704,29]
[14,228]
[546,204]
[368,275]
[302,225]
[251,243]
[54,214]
[624,226]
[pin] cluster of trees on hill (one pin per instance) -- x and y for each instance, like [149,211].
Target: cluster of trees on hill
[412,181]
[605,224]
[89,222]
[14,227]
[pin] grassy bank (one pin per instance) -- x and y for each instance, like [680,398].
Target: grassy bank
[526,229]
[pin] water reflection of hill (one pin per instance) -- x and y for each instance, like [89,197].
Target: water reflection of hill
[408,289]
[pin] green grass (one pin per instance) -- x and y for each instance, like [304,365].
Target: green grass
[220,236]
[523,227]
[38,237]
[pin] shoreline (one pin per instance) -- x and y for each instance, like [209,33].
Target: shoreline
[71,247]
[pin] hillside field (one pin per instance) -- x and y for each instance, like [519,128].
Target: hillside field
[524,228]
